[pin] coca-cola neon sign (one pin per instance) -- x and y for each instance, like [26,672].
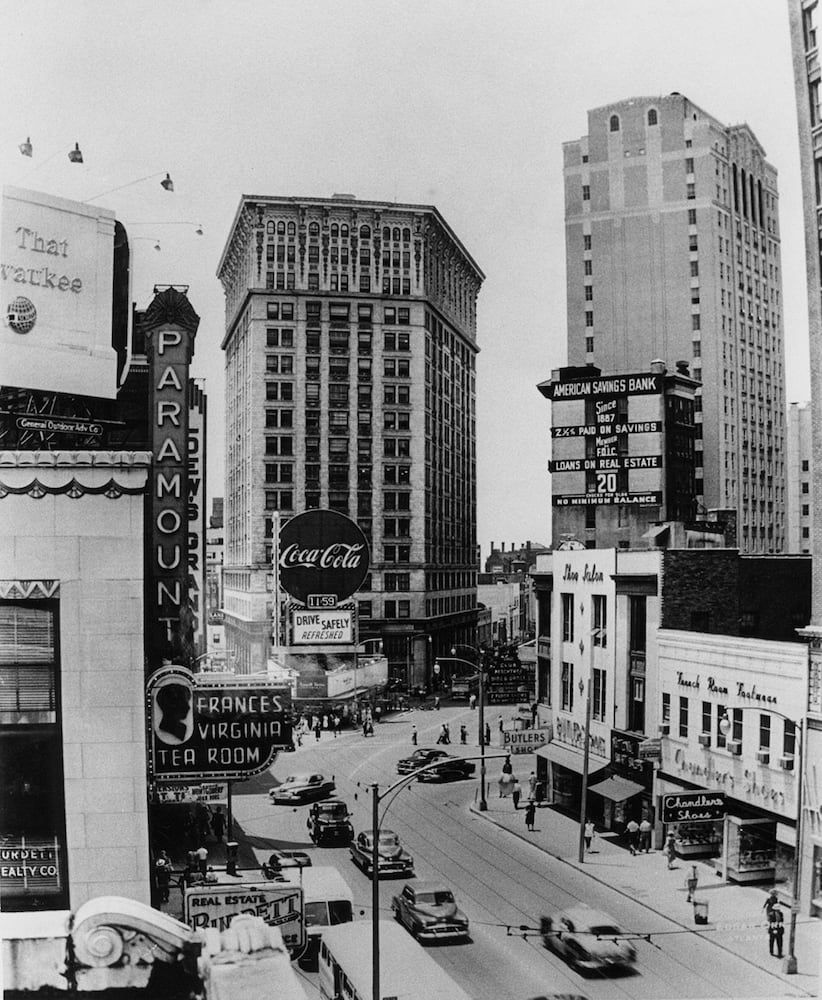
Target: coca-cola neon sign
[322,552]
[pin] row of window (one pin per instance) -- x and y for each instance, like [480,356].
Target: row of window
[286,281]
[338,340]
[339,312]
[709,725]
[337,230]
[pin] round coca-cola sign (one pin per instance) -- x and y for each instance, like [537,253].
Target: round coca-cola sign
[322,552]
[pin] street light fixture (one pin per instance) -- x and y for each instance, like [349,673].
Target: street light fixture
[376,824]
[480,665]
[167,184]
[790,965]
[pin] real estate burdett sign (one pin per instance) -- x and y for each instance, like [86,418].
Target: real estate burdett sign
[322,552]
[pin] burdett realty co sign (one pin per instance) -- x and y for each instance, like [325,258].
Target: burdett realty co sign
[322,553]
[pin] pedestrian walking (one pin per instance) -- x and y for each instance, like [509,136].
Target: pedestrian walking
[162,873]
[645,829]
[318,730]
[532,785]
[530,815]
[691,883]
[463,735]
[437,702]
[203,817]
[325,722]
[472,702]
[632,830]
[414,735]
[487,733]
[218,823]
[534,713]
[588,834]
[377,713]
[516,792]
[776,931]
[202,858]
[507,767]
[500,724]
[670,849]
[335,721]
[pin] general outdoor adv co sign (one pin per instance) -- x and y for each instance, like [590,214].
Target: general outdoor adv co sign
[56,291]
[209,729]
[324,558]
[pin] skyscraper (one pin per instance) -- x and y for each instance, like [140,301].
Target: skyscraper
[350,384]
[673,253]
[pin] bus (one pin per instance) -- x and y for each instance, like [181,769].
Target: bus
[407,971]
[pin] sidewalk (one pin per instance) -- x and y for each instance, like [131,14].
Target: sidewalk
[736,917]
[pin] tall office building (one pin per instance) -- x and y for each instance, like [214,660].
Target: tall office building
[673,253]
[350,361]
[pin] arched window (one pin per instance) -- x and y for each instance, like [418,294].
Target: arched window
[335,230]
[396,233]
[365,232]
[386,233]
[614,123]
[269,227]
[292,228]
[344,232]
[281,228]
[652,119]
[406,235]
[314,229]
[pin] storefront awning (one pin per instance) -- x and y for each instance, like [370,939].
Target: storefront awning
[570,758]
[617,789]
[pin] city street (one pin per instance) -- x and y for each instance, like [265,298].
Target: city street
[500,881]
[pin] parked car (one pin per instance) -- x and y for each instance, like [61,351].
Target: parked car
[392,859]
[278,860]
[330,821]
[430,912]
[589,940]
[451,769]
[419,758]
[302,788]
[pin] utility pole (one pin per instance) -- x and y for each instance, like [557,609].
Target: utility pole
[375,891]
[585,755]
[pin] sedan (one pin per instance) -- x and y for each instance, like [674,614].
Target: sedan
[419,758]
[302,788]
[451,769]
[430,912]
[589,940]
[392,858]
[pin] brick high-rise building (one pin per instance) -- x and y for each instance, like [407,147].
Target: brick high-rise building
[672,247]
[350,361]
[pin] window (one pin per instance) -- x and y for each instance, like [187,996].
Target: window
[736,725]
[279,338]
[586,192]
[589,319]
[652,116]
[666,708]
[396,367]
[586,242]
[683,716]
[567,617]
[587,267]
[32,802]
[805,465]
[614,123]
[589,293]
[279,391]
[689,165]
[789,739]
[691,192]
[764,732]
[598,694]
[691,216]
[567,683]
[694,268]
[600,607]
[706,717]
[589,349]
[721,739]
[395,582]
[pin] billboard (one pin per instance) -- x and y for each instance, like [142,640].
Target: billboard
[205,728]
[276,903]
[56,292]
[327,627]
[322,552]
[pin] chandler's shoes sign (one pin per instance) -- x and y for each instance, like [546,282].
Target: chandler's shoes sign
[210,729]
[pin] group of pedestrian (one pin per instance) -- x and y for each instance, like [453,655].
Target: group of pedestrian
[639,835]
[445,734]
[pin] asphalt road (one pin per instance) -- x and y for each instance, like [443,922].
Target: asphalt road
[500,881]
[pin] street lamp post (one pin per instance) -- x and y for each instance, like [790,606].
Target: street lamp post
[376,823]
[483,802]
[790,965]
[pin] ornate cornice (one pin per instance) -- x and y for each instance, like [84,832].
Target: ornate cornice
[74,474]
[171,307]
[20,590]
[68,459]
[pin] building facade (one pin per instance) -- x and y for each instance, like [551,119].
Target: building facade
[350,385]
[800,477]
[673,252]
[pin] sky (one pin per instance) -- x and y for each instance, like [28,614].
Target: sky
[461,104]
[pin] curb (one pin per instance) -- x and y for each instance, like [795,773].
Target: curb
[667,916]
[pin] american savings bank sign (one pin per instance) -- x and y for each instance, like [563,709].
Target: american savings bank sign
[324,558]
